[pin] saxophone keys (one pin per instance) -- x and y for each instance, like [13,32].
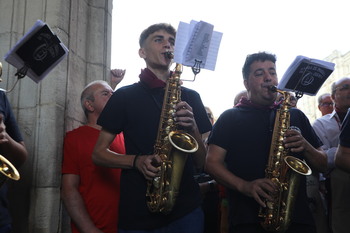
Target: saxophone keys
[280,138]
[275,181]
[156,182]
[275,174]
[285,188]
[283,204]
[164,157]
[165,139]
[167,130]
[269,205]
[280,148]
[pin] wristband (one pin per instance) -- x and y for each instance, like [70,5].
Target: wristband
[134,162]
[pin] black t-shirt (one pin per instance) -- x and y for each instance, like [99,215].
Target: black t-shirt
[245,133]
[135,110]
[13,131]
[344,138]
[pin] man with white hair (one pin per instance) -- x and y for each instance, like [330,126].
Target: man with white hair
[328,129]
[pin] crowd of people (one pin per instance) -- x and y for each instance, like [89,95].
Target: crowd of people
[110,163]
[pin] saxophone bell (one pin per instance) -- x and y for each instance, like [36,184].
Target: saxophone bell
[7,171]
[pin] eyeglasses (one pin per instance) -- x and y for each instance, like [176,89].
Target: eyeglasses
[343,87]
[326,104]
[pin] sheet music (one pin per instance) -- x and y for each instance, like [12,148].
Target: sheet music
[40,50]
[306,75]
[197,41]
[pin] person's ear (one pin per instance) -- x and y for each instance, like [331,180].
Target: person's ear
[142,53]
[333,97]
[89,106]
[246,84]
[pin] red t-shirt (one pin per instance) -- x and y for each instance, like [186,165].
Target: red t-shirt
[99,186]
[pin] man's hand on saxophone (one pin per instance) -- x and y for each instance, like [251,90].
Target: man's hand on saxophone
[148,165]
[184,117]
[294,141]
[315,157]
[259,189]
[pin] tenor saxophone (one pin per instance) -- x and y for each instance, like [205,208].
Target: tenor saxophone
[284,170]
[172,146]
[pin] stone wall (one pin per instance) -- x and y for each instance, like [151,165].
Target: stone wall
[46,110]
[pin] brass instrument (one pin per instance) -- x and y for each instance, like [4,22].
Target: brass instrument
[6,168]
[285,171]
[173,146]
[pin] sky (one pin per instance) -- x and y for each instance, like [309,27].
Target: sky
[286,28]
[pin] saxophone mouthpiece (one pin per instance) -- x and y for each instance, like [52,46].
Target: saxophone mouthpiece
[272,88]
[169,54]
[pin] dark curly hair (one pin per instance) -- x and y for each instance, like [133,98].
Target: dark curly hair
[261,56]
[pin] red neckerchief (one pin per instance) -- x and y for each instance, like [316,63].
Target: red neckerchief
[340,113]
[150,79]
[245,102]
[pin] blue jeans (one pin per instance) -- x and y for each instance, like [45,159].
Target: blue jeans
[190,223]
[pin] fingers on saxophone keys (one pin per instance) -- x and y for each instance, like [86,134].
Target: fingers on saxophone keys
[260,201]
[260,196]
[151,172]
[182,105]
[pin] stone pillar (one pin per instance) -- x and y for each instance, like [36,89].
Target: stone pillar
[45,111]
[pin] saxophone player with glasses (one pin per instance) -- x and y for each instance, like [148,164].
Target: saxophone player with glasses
[158,190]
[238,153]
